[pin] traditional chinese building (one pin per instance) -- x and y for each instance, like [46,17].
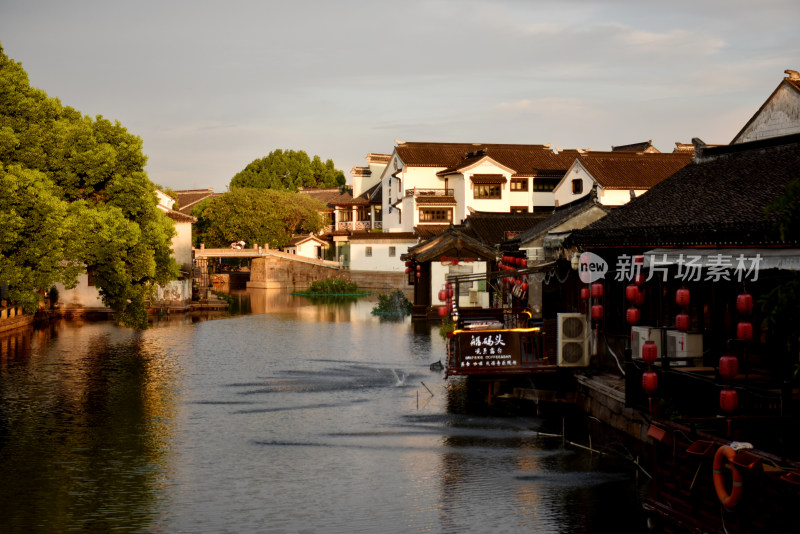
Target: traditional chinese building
[702,288]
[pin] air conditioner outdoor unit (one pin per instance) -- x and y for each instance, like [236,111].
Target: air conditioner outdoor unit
[642,334]
[684,345]
[535,254]
[573,340]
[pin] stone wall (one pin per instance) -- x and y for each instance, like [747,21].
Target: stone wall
[278,270]
[381,281]
[604,398]
[11,318]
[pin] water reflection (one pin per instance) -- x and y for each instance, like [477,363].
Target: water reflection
[301,417]
[84,431]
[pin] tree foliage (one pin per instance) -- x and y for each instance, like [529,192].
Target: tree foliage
[78,198]
[257,217]
[289,170]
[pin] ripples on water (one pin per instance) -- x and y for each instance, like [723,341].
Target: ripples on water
[307,420]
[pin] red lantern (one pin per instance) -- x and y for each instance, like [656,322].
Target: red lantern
[682,298]
[728,400]
[449,290]
[408,270]
[649,351]
[639,280]
[524,286]
[744,331]
[442,295]
[639,298]
[597,312]
[632,293]
[632,315]
[408,264]
[518,282]
[682,322]
[744,303]
[585,293]
[419,274]
[728,367]
[597,290]
[649,381]
[419,267]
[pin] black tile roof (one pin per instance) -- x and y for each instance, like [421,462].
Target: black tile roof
[495,228]
[719,200]
[558,216]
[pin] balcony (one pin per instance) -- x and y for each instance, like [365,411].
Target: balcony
[418,192]
[356,226]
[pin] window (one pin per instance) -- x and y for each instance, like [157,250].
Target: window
[368,252]
[519,209]
[577,186]
[487,190]
[435,215]
[519,184]
[545,184]
[392,252]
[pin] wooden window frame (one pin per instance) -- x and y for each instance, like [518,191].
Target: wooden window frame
[488,192]
[519,184]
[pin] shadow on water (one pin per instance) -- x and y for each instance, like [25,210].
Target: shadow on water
[229,426]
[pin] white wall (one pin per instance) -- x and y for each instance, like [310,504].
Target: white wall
[307,249]
[617,197]
[82,296]
[182,245]
[438,279]
[563,192]
[780,116]
[175,292]
[380,259]
[521,198]
[501,205]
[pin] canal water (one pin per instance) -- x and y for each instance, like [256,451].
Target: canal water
[293,417]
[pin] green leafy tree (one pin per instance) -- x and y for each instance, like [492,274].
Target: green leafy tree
[37,229]
[257,217]
[104,210]
[289,170]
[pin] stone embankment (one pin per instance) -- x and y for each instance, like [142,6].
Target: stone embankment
[278,270]
[11,318]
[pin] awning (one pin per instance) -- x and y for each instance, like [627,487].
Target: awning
[765,258]
[488,179]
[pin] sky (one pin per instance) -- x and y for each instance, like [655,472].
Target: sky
[210,86]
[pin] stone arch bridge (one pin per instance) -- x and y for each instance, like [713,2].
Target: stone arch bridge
[269,269]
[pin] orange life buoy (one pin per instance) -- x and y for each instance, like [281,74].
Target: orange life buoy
[729,501]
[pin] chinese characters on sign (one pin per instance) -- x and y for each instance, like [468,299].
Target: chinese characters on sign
[487,350]
[692,268]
